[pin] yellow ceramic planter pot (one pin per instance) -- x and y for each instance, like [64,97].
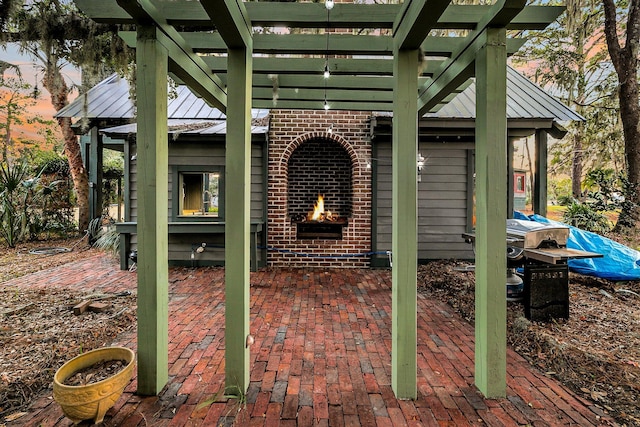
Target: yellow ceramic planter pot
[92,401]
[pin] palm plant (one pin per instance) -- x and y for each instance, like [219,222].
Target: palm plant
[13,194]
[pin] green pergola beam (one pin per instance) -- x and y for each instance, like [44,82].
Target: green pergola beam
[449,78]
[183,61]
[153,187]
[451,96]
[314,15]
[459,67]
[190,13]
[318,104]
[491,213]
[237,225]
[454,72]
[337,66]
[404,213]
[415,20]
[316,44]
[288,94]
[231,20]
[303,82]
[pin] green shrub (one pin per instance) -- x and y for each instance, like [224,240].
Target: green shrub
[566,200]
[583,216]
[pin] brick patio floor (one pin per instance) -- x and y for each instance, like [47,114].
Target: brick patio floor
[321,357]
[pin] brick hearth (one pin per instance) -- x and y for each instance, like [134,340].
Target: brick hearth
[347,142]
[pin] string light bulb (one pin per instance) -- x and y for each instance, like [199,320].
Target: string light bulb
[327,73]
[326,105]
[328,4]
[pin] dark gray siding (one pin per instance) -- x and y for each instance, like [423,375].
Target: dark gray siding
[442,201]
[203,154]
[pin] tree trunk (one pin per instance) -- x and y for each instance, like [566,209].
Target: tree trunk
[630,116]
[625,61]
[57,87]
[576,165]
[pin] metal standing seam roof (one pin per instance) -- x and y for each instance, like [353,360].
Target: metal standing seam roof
[525,100]
[184,127]
[109,99]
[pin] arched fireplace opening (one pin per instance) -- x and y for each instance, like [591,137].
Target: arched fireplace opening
[319,179]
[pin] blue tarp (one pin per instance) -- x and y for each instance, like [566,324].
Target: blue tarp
[619,262]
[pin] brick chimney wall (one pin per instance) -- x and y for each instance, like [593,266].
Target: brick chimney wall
[288,130]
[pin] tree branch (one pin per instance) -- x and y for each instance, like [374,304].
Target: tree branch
[610,32]
[633,29]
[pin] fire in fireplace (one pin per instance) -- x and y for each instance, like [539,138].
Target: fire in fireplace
[320,223]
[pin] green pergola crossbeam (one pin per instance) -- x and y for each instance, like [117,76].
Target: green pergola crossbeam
[188,13]
[187,65]
[288,94]
[319,104]
[454,73]
[316,44]
[337,66]
[231,20]
[450,97]
[415,20]
[314,15]
[304,82]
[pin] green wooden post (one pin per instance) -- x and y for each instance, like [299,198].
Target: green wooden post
[153,300]
[510,181]
[95,173]
[404,225]
[491,198]
[237,227]
[540,174]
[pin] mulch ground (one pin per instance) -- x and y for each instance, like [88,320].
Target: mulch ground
[596,352]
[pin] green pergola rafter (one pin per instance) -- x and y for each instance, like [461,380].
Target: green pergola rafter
[184,63]
[212,46]
[456,70]
[188,13]
[201,32]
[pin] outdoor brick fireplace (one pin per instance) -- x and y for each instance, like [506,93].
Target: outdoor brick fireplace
[316,154]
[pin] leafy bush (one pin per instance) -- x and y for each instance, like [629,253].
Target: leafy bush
[585,217]
[560,191]
[566,200]
[30,205]
[604,189]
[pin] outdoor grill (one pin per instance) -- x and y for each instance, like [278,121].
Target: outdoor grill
[539,253]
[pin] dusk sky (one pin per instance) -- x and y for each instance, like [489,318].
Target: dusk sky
[28,69]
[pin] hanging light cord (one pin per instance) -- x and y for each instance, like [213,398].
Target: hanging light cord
[326,61]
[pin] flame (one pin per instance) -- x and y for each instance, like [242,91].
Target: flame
[318,209]
[319,214]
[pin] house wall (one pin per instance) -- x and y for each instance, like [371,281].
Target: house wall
[444,197]
[207,154]
[289,129]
